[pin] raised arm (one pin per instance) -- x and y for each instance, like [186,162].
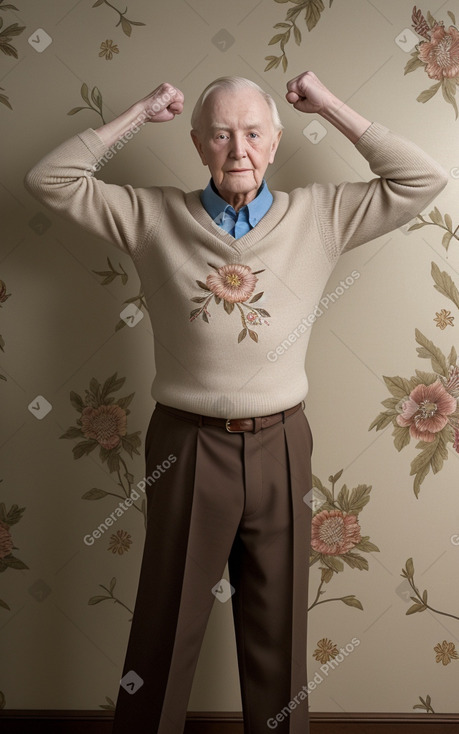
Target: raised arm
[350,214]
[160,106]
[64,179]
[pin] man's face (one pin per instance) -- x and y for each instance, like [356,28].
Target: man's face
[237,141]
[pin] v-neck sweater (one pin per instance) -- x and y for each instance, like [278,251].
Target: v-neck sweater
[232,318]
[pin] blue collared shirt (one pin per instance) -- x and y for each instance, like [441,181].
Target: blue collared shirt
[241,222]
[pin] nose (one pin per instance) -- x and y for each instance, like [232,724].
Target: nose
[237,150]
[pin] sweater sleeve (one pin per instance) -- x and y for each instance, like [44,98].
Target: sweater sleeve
[64,181]
[350,214]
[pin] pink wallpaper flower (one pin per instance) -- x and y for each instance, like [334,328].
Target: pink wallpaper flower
[424,407]
[437,54]
[426,411]
[335,532]
[105,424]
[441,53]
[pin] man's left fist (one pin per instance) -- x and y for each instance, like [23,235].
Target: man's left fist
[307,93]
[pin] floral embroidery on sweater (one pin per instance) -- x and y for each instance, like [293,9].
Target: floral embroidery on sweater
[233,285]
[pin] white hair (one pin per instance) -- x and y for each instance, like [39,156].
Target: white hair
[233,83]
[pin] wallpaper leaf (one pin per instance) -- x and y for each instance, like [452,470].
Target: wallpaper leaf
[94,494]
[313,10]
[6,47]
[420,600]
[438,220]
[126,24]
[444,284]
[111,274]
[3,298]
[9,518]
[425,705]
[6,35]
[438,55]
[109,706]
[109,596]
[4,99]
[94,104]
[108,276]
[428,350]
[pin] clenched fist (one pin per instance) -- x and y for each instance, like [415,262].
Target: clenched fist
[163,103]
[307,93]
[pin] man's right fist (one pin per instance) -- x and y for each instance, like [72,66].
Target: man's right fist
[163,103]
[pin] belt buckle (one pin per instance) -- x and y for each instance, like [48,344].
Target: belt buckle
[228,421]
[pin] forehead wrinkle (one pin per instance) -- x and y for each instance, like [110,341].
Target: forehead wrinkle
[218,110]
[249,125]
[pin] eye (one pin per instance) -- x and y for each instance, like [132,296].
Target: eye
[221,136]
[254,135]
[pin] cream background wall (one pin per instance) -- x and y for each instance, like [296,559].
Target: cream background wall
[64,643]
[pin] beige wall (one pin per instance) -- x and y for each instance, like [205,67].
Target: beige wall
[58,329]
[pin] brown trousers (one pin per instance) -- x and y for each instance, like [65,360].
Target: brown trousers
[227,497]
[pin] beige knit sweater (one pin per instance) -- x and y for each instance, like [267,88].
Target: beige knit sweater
[232,318]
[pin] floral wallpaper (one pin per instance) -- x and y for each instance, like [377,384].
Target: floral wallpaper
[336,535]
[425,408]
[438,55]
[382,365]
[308,10]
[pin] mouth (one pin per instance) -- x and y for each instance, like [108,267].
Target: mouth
[239,170]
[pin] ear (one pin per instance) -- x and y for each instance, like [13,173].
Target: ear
[198,146]
[275,145]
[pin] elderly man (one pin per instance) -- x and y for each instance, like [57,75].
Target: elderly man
[229,272]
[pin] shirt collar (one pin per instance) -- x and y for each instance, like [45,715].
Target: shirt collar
[255,209]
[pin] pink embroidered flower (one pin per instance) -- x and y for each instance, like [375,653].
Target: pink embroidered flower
[6,542]
[334,532]
[456,440]
[105,424]
[232,283]
[441,53]
[255,319]
[426,411]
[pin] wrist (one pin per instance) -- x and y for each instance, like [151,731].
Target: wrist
[345,119]
[138,112]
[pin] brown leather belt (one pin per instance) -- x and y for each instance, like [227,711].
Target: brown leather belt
[232,425]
